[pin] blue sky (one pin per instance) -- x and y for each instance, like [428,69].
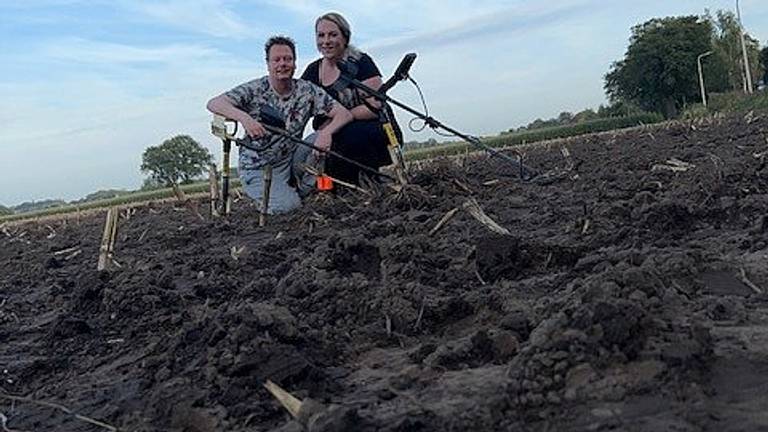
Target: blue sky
[86,86]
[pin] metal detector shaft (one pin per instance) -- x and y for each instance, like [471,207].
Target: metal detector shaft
[526,173]
[283,133]
[225,205]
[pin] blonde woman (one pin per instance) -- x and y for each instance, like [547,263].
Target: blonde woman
[364,139]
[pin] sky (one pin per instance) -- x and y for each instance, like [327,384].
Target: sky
[86,86]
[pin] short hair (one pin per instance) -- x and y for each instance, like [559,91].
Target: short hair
[340,21]
[279,40]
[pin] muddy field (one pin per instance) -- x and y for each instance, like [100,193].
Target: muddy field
[627,296]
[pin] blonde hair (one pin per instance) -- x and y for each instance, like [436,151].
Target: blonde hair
[346,30]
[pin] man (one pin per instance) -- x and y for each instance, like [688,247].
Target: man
[298,101]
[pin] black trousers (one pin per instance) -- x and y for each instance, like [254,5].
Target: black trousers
[363,141]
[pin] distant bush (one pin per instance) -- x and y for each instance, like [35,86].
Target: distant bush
[129,198]
[731,102]
[31,206]
[5,211]
[757,101]
[101,195]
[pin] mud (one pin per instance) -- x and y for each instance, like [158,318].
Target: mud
[628,296]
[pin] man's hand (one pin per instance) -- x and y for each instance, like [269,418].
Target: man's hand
[323,141]
[223,106]
[253,127]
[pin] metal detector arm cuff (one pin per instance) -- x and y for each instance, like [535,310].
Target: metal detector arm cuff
[219,127]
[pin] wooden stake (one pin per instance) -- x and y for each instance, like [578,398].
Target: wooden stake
[108,239]
[265,198]
[287,400]
[474,209]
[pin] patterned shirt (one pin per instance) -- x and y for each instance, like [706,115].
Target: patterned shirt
[305,101]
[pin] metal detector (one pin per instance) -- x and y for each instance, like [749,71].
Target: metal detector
[219,129]
[272,121]
[401,73]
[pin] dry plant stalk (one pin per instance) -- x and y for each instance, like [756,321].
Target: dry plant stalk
[66,251]
[749,283]
[265,197]
[287,400]
[674,165]
[108,239]
[60,408]
[235,252]
[462,186]
[444,220]
[128,214]
[586,227]
[182,197]
[213,180]
[477,212]
[4,424]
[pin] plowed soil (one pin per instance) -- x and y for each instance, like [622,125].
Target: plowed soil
[628,295]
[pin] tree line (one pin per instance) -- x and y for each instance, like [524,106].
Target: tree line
[178,160]
[659,71]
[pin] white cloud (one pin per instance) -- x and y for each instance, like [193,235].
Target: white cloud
[88,51]
[212,17]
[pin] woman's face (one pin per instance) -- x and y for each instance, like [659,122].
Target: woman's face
[330,41]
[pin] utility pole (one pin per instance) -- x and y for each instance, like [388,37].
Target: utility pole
[701,78]
[747,73]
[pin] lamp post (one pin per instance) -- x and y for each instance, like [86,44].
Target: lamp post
[701,78]
[747,73]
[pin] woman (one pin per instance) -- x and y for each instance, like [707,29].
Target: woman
[363,140]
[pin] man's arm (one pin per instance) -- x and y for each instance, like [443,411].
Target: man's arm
[339,116]
[362,112]
[222,105]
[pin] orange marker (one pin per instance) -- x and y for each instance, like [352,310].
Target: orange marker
[324,183]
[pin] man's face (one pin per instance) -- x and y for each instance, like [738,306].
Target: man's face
[281,64]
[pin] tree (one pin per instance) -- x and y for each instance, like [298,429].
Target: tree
[151,184]
[177,160]
[5,211]
[726,69]
[764,64]
[565,118]
[658,71]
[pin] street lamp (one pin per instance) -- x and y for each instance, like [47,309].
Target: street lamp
[747,73]
[701,78]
